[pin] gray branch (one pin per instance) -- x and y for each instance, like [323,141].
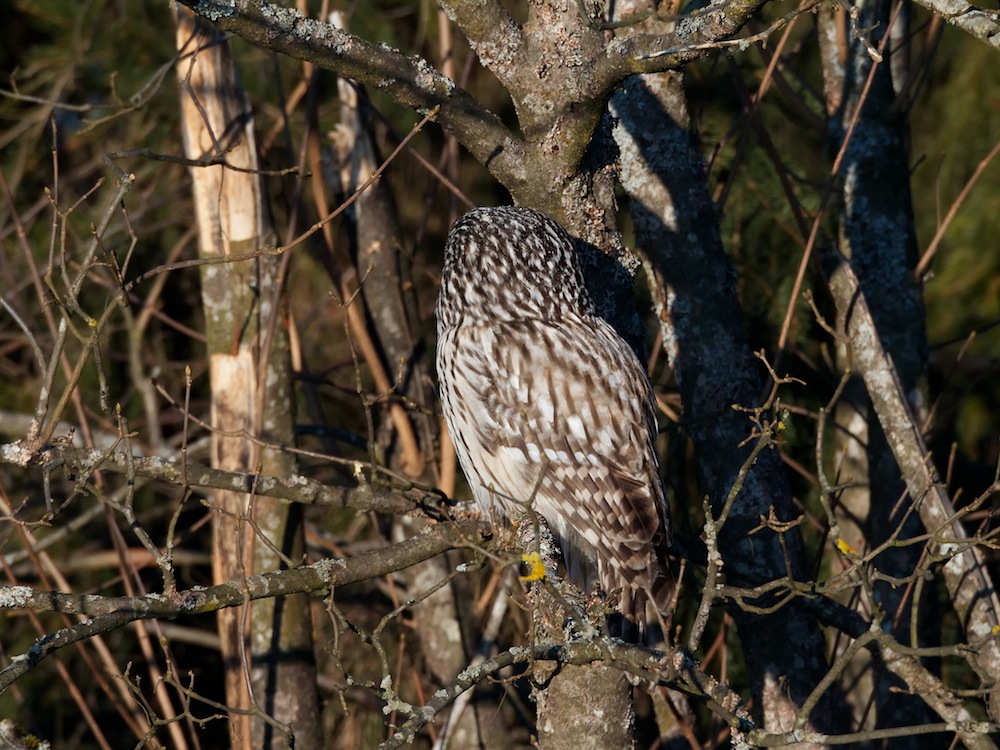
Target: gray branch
[965,575]
[981,23]
[409,80]
[295,488]
[109,613]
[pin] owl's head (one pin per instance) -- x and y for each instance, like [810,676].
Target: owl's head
[509,263]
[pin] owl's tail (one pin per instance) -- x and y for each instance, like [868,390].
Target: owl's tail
[661,588]
[654,585]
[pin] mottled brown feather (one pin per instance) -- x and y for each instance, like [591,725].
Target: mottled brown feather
[547,404]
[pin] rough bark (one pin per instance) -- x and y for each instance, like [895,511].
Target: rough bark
[268,655]
[594,692]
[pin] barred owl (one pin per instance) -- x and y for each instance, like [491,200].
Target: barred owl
[546,403]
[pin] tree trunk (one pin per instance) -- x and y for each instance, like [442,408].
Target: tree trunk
[267,647]
[677,230]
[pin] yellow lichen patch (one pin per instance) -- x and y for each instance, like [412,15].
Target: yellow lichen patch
[536,568]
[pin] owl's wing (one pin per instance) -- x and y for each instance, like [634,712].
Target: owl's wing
[494,458]
[571,418]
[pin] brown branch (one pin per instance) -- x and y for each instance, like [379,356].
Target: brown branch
[928,256]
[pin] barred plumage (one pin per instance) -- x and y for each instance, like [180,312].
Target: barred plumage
[546,402]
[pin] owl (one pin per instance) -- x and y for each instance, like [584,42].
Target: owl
[549,408]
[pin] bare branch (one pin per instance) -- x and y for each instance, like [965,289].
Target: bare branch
[410,80]
[295,488]
[980,23]
[111,613]
[968,581]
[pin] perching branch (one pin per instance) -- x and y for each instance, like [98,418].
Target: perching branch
[673,668]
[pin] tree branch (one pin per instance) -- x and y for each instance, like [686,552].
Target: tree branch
[981,23]
[673,668]
[966,577]
[906,666]
[110,613]
[409,80]
[295,488]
